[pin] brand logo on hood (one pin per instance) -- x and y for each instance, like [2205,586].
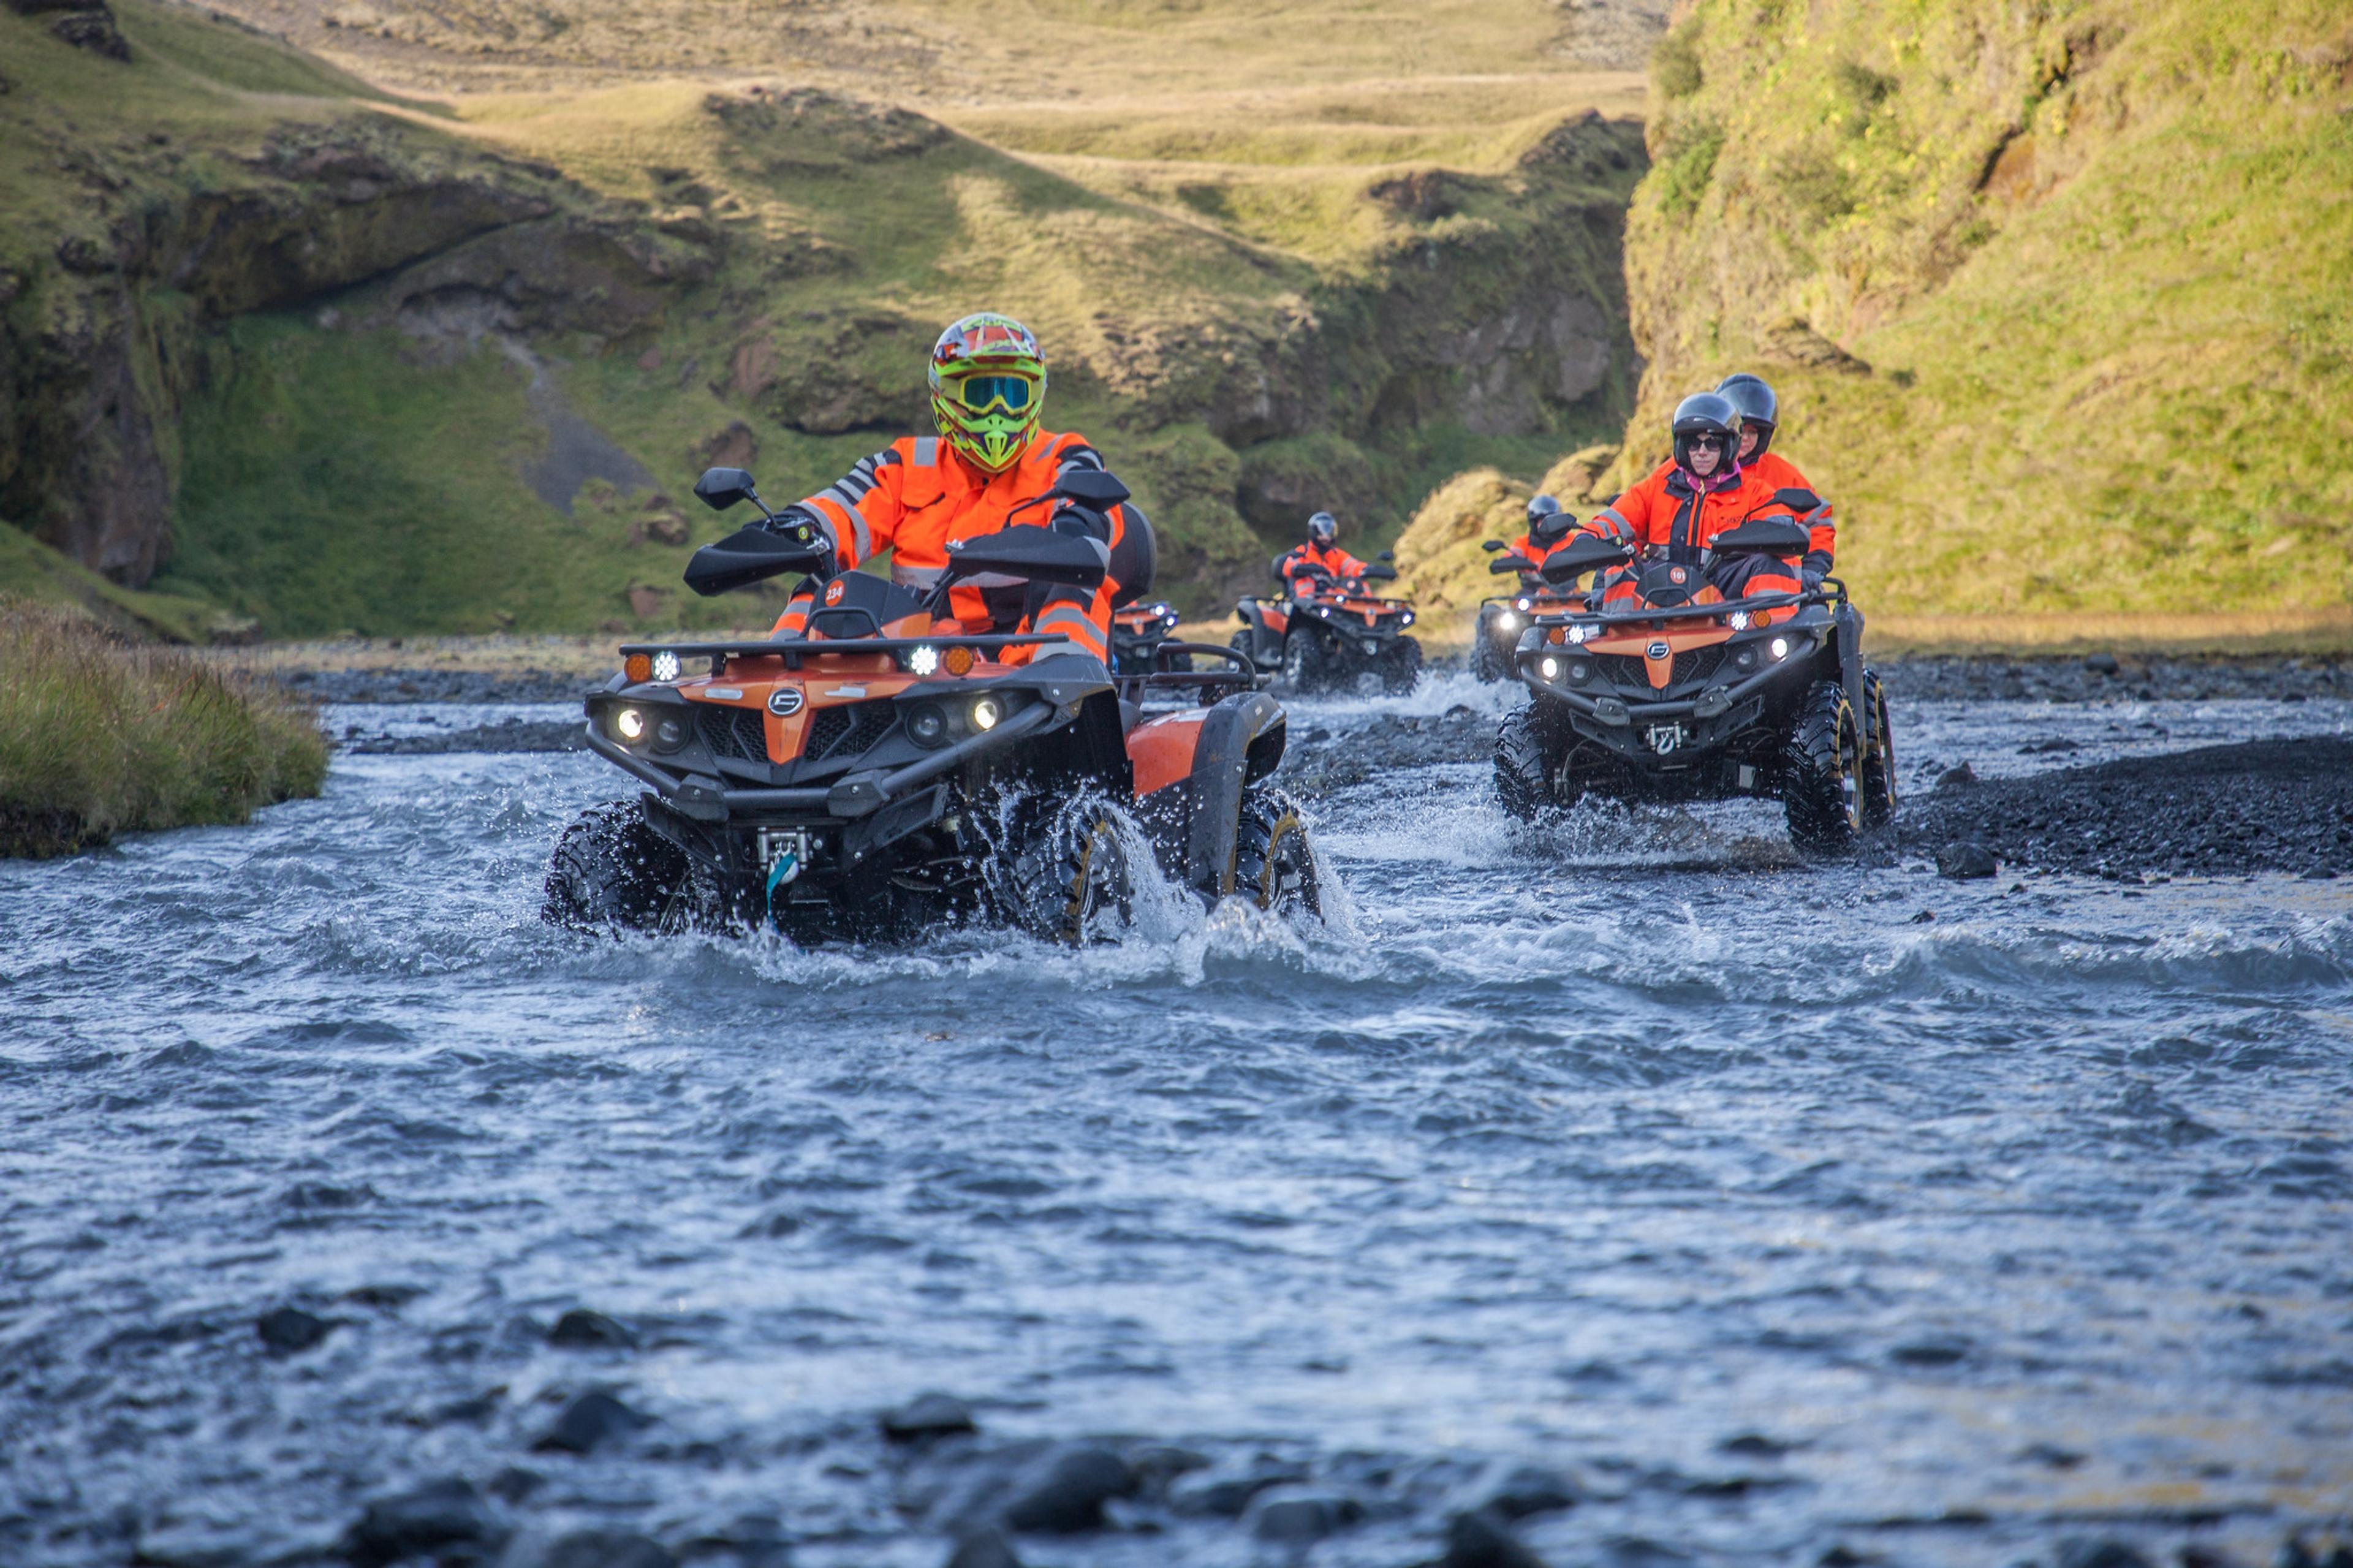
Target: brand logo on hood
[786,701]
[1657,650]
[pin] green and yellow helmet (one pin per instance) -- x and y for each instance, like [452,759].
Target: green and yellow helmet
[988,383]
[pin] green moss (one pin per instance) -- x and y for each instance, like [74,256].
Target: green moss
[31,571]
[1686,164]
[1675,70]
[100,737]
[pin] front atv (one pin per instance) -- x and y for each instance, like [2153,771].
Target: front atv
[1331,631]
[886,771]
[1680,697]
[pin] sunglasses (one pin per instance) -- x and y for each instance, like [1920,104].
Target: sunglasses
[985,394]
[1707,443]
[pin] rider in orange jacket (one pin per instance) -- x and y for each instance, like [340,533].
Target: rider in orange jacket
[1549,526]
[1319,553]
[989,466]
[1702,491]
[1760,417]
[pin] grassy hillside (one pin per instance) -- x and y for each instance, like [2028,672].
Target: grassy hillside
[2058,297]
[342,361]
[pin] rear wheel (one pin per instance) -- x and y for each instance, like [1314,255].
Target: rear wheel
[611,871]
[1878,758]
[1273,866]
[1400,667]
[1486,659]
[1068,868]
[1305,665]
[1822,765]
[1527,749]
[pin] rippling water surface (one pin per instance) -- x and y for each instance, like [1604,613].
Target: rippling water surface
[1782,1208]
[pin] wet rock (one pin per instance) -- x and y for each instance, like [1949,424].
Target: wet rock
[588,1423]
[1300,1520]
[2102,664]
[1228,1497]
[1755,1446]
[1930,1352]
[433,1517]
[2296,1552]
[1064,1494]
[1966,861]
[926,1416]
[989,1548]
[581,1329]
[1524,1491]
[1961,776]
[290,1331]
[1483,1539]
[2099,1554]
[601,1549]
[514,1483]
[1157,1464]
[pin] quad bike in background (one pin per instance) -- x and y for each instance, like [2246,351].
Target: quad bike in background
[1330,630]
[1684,695]
[887,771]
[1504,617]
[1137,635]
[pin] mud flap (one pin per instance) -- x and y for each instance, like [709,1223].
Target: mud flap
[1220,769]
[892,823]
[1848,629]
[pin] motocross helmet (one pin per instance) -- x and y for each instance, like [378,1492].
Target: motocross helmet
[1548,522]
[1757,406]
[1707,413]
[1322,529]
[988,383]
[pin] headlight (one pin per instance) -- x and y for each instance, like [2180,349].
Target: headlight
[927,725]
[629,723]
[666,666]
[986,713]
[1738,620]
[1507,620]
[923,660]
[1168,621]
[1409,619]
[1522,603]
[1550,668]
[1578,669]
[1780,647]
[1577,632]
[1745,660]
[670,734]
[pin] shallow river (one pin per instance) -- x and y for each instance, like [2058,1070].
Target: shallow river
[1779,1209]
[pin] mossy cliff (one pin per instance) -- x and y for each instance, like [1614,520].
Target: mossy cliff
[320,358]
[2058,294]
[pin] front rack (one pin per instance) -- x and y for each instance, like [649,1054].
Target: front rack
[792,650]
[1645,616]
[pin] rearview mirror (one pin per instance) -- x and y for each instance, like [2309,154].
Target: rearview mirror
[1034,554]
[1490,545]
[720,488]
[1586,553]
[1092,487]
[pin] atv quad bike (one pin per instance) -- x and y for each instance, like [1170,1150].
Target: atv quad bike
[1496,633]
[1688,696]
[1330,630]
[1137,634]
[887,769]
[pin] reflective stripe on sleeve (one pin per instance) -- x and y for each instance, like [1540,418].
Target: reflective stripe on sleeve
[927,451]
[1069,621]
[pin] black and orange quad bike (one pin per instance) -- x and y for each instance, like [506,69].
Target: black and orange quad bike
[1330,630]
[1139,634]
[1505,616]
[887,771]
[1684,695]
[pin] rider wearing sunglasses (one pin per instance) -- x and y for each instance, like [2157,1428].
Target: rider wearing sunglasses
[987,468]
[1701,491]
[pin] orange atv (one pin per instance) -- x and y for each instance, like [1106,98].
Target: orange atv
[887,769]
[1680,694]
[1137,634]
[1330,630]
[1502,618]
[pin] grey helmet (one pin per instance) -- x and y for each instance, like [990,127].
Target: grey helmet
[1757,405]
[1323,529]
[1706,414]
[1549,521]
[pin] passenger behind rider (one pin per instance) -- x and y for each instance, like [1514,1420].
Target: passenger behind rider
[1760,417]
[1549,526]
[1676,514]
[919,494]
[1298,567]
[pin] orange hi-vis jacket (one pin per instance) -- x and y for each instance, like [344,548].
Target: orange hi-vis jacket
[1779,474]
[1335,561]
[1665,513]
[916,496]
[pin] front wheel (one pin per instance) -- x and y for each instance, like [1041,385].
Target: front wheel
[1821,764]
[1527,749]
[1486,659]
[1878,757]
[1067,867]
[1305,665]
[611,871]
[1400,667]
[1275,866]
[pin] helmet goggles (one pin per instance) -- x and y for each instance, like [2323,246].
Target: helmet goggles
[982,394]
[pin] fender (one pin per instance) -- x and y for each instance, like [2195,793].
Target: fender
[1241,738]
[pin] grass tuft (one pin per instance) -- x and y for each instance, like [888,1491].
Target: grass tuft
[98,736]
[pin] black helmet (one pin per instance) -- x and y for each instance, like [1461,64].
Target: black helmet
[1323,528]
[1548,523]
[1706,414]
[1757,403]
